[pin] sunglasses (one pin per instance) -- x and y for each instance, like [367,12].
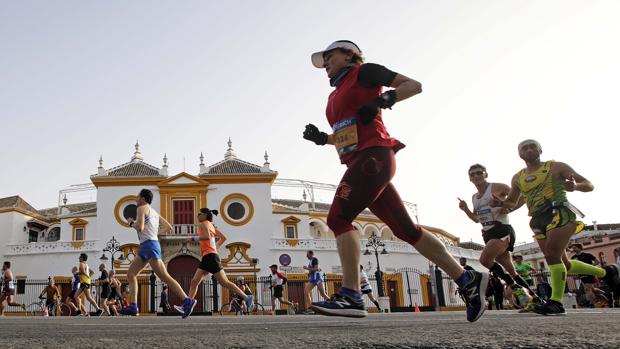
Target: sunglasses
[476,173]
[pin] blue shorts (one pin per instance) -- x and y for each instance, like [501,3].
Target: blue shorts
[150,249]
[249,301]
[315,280]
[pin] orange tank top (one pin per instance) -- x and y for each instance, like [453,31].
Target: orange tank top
[206,246]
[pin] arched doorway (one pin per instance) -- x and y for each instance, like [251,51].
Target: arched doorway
[182,269]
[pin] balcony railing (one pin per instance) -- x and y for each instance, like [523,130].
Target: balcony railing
[390,246]
[182,230]
[52,247]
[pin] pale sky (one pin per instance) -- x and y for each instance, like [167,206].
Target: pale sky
[80,79]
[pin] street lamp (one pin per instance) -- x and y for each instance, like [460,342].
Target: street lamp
[374,242]
[112,247]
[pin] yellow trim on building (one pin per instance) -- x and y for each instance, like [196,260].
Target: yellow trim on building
[25,213]
[125,181]
[236,179]
[231,197]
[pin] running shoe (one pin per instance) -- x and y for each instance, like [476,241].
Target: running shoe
[179,309]
[341,305]
[523,297]
[130,311]
[474,293]
[550,308]
[188,307]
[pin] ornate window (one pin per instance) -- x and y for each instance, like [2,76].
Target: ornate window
[290,227]
[237,209]
[125,208]
[79,229]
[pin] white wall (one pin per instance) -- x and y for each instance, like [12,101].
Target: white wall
[38,267]
[107,226]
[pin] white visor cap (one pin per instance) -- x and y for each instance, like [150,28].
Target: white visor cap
[317,57]
[528,142]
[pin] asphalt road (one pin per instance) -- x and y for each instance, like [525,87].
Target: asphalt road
[596,328]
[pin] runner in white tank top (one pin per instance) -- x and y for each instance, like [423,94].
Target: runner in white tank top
[488,216]
[151,226]
[366,289]
[8,288]
[498,235]
[148,224]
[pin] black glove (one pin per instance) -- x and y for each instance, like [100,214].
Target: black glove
[370,110]
[313,134]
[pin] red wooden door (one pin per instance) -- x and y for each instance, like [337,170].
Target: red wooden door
[183,213]
[392,293]
[182,269]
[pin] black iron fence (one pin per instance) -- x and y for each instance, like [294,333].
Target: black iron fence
[408,289]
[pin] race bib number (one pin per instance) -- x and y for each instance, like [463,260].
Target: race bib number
[345,135]
[485,216]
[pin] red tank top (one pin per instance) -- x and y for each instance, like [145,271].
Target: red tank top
[350,135]
[207,246]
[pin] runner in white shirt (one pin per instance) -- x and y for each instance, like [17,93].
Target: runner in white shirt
[148,224]
[367,289]
[278,280]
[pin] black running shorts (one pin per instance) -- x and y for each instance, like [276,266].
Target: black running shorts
[211,263]
[277,291]
[500,231]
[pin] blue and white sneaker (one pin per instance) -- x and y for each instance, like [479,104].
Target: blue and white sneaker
[341,305]
[179,308]
[188,307]
[473,294]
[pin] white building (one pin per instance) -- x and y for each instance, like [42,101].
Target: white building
[42,243]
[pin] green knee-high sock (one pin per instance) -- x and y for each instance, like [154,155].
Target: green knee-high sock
[558,281]
[579,267]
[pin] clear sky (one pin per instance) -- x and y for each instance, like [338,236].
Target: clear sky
[80,79]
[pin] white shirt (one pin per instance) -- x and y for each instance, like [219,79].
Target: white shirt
[151,226]
[487,215]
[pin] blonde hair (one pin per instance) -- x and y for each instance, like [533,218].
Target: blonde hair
[355,58]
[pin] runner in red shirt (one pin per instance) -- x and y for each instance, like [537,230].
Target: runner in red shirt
[366,148]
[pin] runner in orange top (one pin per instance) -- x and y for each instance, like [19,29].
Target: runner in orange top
[210,240]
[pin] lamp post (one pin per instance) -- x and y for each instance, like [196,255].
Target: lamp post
[375,243]
[112,247]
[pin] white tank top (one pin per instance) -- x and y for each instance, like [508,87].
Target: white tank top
[151,226]
[363,279]
[486,214]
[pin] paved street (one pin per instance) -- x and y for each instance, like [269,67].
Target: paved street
[596,328]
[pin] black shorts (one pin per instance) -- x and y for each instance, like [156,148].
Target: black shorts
[84,286]
[72,294]
[211,263]
[49,302]
[105,291]
[277,291]
[500,231]
[8,292]
[113,295]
